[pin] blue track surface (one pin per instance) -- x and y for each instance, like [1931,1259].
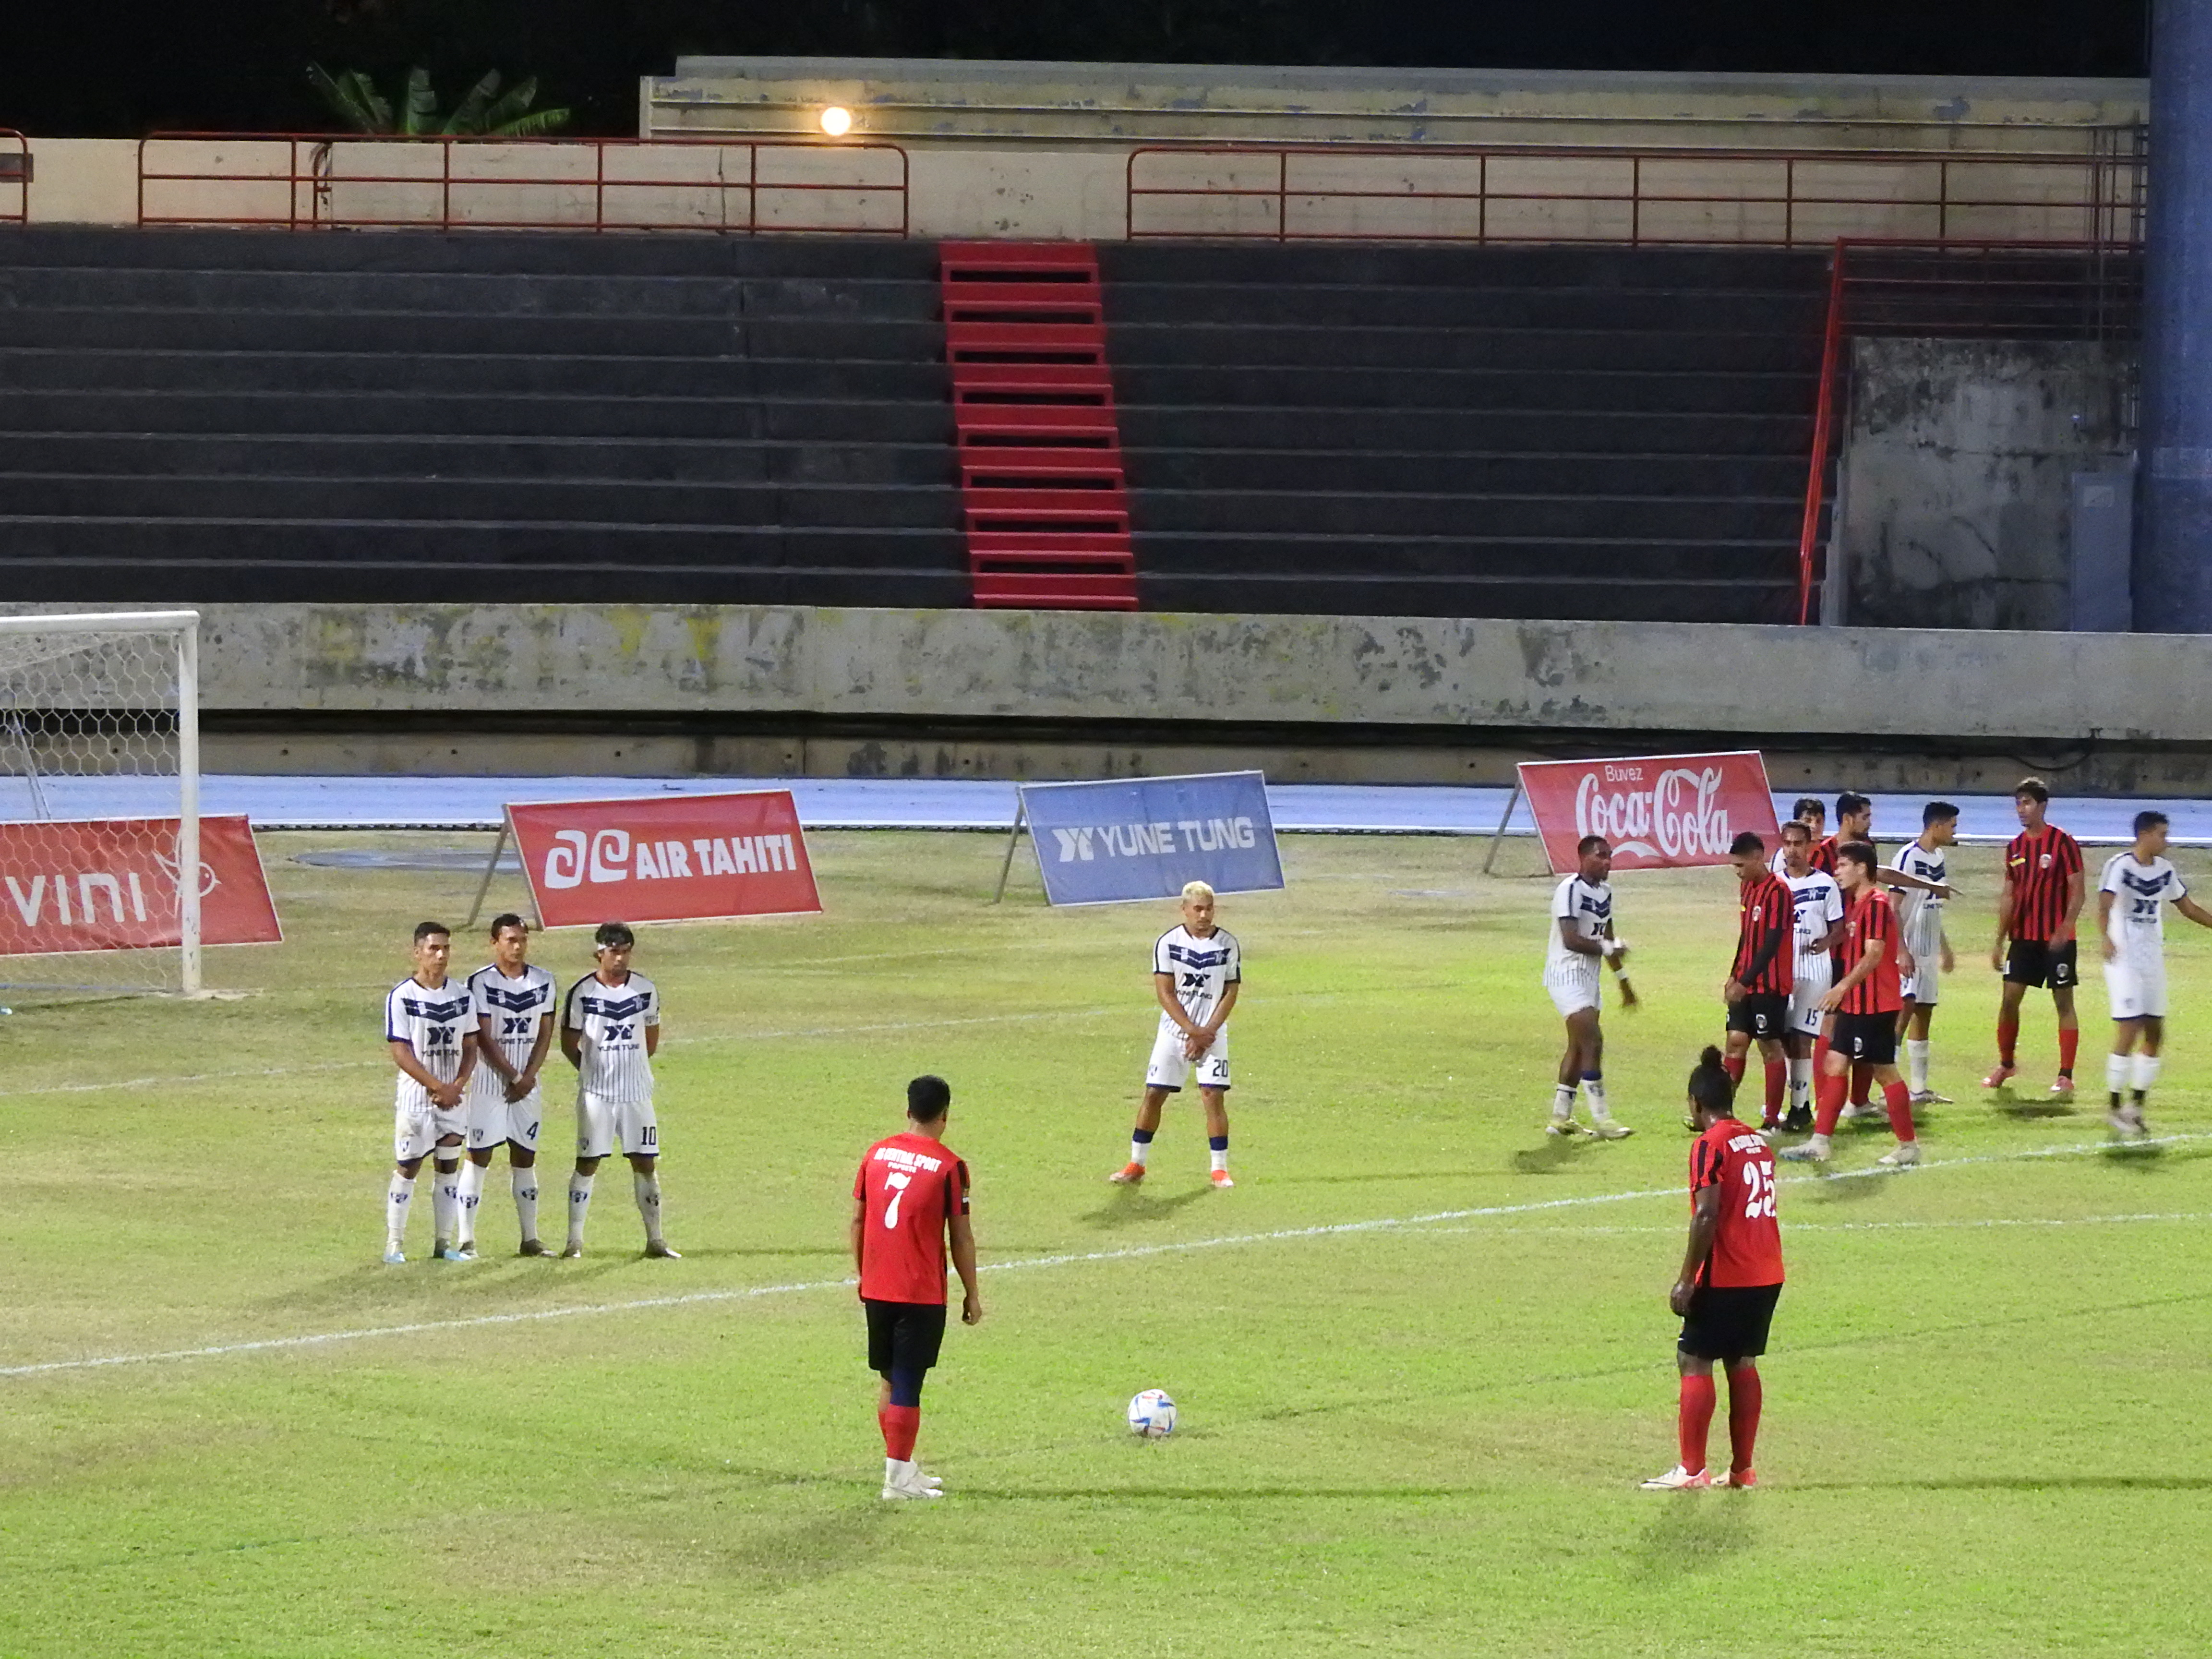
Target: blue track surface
[374,803]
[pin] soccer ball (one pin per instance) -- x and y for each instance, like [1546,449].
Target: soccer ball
[1152,1415]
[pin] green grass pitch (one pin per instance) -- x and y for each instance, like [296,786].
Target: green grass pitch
[1986,1429]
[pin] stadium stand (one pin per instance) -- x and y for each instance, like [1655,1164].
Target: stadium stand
[1613,432]
[248,415]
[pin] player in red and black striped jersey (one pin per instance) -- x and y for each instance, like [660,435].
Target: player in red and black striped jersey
[1760,978]
[1730,1280]
[1854,821]
[1865,998]
[2042,900]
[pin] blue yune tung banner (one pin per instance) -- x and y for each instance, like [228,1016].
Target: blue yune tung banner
[1143,838]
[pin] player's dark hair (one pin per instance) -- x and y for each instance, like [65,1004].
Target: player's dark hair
[2034,789]
[1937,812]
[1710,1086]
[505,920]
[424,929]
[1746,840]
[928,1099]
[1849,802]
[1804,831]
[1806,803]
[614,935]
[1860,853]
[1587,845]
[2146,822]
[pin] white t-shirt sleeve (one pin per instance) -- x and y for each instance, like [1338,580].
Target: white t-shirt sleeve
[1233,974]
[1832,905]
[395,1018]
[653,1006]
[1160,962]
[1563,899]
[572,1017]
[2110,882]
[2176,889]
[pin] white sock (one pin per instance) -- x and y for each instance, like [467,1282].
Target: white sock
[1916,1060]
[446,1202]
[580,1204]
[2146,1073]
[472,1182]
[1593,1088]
[1220,1158]
[1800,1083]
[897,1471]
[1140,1150]
[526,1198]
[2115,1073]
[648,1204]
[398,1200]
[1563,1102]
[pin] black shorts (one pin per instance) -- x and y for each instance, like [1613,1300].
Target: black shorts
[904,1335]
[2032,962]
[1866,1039]
[1764,1014]
[1728,1322]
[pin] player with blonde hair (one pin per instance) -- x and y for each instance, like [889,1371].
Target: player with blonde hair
[1197,971]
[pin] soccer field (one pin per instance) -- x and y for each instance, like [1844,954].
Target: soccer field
[1422,1353]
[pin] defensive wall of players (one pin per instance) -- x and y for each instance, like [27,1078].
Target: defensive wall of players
[776,691]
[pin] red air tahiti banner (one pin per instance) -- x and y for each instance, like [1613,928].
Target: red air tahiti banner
[111,884]
[1660,811]
[684,858]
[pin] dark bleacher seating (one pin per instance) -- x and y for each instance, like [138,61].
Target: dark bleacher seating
[1570,432]
[245,415]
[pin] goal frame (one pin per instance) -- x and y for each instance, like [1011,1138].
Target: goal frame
[183,627]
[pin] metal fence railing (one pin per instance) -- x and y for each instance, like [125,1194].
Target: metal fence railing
[14,177]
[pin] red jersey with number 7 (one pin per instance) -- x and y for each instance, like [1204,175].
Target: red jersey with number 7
[907,1187]
[1747,1243]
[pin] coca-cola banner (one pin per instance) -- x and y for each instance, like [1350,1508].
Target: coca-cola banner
[681,857]
[111,884]
[1660,811]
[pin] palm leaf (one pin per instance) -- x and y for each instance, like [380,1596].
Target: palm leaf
[468,116]
[536,124]
[420,112]
[510,105]
[351,99]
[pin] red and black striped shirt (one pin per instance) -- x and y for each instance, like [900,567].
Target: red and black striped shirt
[2037,864]
[1823,857]
[1869,924]
[1767,919]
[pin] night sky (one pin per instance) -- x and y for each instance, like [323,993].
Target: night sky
[68,69]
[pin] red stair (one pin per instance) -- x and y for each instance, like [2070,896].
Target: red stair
[1044,498]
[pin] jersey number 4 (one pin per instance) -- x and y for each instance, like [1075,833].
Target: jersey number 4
[1760,1202]
[897,1183]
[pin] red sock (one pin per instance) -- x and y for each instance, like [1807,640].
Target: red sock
[1778,1088]
[1746,1395]
[2068,1042]
[1830,1097]
[1697,1419]
[2007,1040]
[1819,1054]
[900,1423]
[1733,1065]
[1861,1082]
[1898,1099]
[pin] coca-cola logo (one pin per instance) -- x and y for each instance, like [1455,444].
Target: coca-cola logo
[1670,814]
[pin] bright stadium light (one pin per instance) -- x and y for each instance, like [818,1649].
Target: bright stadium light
[837,121]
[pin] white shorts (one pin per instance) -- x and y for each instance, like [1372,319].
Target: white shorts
[1815,974]
[1168,1069]
[1573,990]
[604,1126]
[1925,985]
[416,1131]
[493,1119]
[2136,990]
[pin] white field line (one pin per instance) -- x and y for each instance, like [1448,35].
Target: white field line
[1070,1258]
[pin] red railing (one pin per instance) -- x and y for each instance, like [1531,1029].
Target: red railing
[1738,197]
[1824,411]
[305,181]
[14,177]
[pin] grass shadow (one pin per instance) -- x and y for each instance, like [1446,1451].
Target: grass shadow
[1131,1205]
[2143,1155]
[786,1558]
[2027,1111]
[1556,1156]
[2020,1483]
[1708,1531]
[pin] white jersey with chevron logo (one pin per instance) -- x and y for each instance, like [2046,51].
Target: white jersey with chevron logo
[2141,893]
[613,1019]
[515,1006]
[1920,914]
[1203,969]
[431,1020]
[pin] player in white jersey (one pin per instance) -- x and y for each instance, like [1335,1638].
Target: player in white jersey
[515,1006]
[1582,938]
[1920,921]
[430,1028]
[1818,902]
[1197,972]
[610,1029]
[2131,899]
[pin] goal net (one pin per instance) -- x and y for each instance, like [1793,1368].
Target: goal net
[99,803]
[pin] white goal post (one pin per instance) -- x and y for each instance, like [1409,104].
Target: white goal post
[99,731]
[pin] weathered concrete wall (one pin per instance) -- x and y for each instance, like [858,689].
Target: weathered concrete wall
[1956,474]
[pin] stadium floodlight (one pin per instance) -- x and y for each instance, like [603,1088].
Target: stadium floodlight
[836,120]
[99,734]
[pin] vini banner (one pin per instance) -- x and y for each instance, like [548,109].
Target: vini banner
[1660,811]
[682,858]
[111,884]
[1143,838]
